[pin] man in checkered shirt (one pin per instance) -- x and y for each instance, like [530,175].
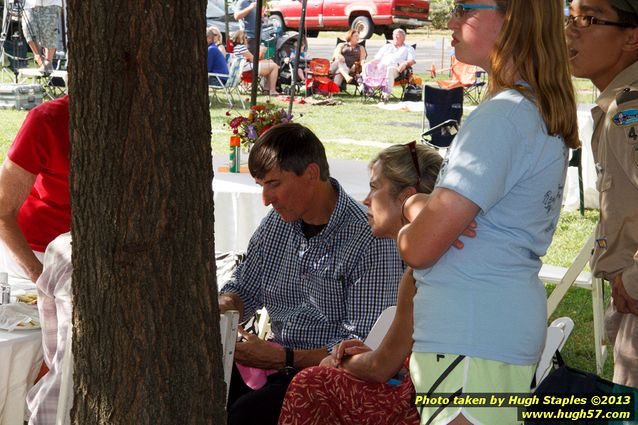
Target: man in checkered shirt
[313,263]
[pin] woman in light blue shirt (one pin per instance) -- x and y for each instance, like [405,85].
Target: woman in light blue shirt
[480,312]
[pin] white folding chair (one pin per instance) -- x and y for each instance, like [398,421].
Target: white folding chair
[565,278]
[557,334]
[380,327]
[228,329]
[233,80]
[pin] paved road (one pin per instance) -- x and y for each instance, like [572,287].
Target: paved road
[428,50]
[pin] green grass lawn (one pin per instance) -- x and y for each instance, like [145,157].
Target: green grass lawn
[340,127]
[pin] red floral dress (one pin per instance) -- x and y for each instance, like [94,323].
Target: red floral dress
[325,395]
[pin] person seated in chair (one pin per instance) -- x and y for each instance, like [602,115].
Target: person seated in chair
[214,36]
[349,384]
[313,263]
[347,58]
[267,68]
[396,55]
[216,59]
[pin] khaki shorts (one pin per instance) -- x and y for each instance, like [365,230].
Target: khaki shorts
[470,375]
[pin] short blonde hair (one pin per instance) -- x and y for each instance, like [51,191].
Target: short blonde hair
[213,31]
[396,165]
[239,37]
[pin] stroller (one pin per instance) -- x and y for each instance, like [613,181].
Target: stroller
[285,55]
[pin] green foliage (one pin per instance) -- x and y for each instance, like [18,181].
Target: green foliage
[10,122]
[440,12]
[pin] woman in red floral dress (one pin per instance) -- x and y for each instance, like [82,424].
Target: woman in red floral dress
[356,385]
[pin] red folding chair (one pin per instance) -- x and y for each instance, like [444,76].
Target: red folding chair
[318,80]
[470,77]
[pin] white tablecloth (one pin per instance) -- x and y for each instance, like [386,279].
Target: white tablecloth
[571,200]
[20,361]
[239,207]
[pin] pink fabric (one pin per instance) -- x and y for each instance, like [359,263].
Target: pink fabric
[375,75]
[254,377]
[55,305]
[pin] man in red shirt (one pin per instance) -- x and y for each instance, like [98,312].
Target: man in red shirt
[34,189]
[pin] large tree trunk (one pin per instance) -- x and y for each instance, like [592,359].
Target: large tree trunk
[146,338]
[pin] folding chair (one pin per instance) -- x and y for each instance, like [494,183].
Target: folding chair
[557,334]
[233,79]
[443,109]
[318,78]
[375,81]
[565,278]
[380,327]
[228,323]
[470,77]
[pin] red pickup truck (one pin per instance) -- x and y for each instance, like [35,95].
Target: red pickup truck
[367,16]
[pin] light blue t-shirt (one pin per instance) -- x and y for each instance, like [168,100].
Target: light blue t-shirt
[486,300]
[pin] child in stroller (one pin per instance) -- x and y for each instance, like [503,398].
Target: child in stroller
[285,56]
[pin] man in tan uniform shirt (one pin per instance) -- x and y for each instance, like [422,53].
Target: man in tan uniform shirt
[602,37]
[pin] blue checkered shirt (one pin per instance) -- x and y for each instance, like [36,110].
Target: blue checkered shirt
[322,290]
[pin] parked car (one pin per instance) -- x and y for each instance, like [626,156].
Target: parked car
[367,16]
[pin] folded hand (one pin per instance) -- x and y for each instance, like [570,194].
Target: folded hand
[622,300]
[348,348]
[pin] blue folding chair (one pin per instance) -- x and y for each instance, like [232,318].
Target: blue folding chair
[443,109]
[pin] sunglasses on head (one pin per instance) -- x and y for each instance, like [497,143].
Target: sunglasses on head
[460,9]
[415,160]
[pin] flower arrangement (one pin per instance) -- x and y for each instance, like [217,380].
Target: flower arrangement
[259,119]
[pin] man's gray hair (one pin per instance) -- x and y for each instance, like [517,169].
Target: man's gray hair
[400,31]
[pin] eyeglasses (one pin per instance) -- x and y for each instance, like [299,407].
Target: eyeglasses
[412,148]
[459,9]
[581,21]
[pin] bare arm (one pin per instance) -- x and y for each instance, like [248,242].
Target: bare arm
[337,52]
[362,54]
[435,223]
[384,362]
[256,352]
[248,56]
[406,64]
[15,185]
[241,14]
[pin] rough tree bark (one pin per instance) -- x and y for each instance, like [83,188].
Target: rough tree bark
[146,337]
